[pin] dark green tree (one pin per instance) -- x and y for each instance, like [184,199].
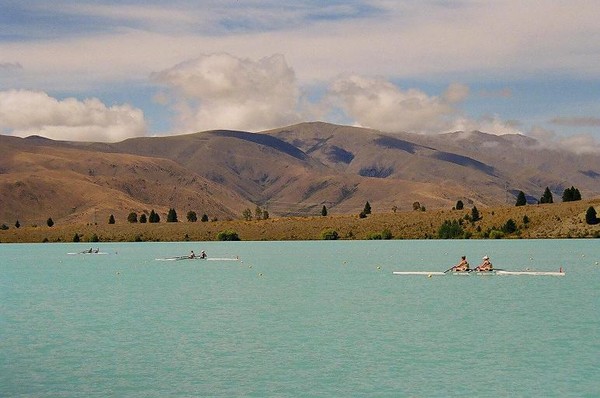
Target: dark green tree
[324,211]
[204,218]
[153,217]
[191,216]
[591,216]
[571,194]
[17,224]
[475,214]
[143,219]
[111,219]
[547,196]
[76,237]
[521,200]
[525,219]
[50,222]
[367,209]
[265,215]
[132,217]
[460,205]
[172,215]
[509,227]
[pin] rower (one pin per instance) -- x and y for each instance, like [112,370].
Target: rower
[203,254]
[486,265]
[192,254]
[462,266]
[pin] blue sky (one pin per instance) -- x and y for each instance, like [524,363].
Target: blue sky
[110,70]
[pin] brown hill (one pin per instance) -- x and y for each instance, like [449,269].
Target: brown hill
[288,171]
[42,178]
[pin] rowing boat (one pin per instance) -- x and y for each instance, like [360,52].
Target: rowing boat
[179,258]
[97,253]
[482,273]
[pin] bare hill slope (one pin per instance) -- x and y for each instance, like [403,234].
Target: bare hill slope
[294,170]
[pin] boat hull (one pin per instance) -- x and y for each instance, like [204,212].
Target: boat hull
[482,273]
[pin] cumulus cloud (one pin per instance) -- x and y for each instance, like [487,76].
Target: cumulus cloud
[24,113]
[222,91]
[578,143]
[380,104]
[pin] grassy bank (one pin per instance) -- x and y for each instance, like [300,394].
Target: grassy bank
[559,220]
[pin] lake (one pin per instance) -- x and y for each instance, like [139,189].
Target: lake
[299,319]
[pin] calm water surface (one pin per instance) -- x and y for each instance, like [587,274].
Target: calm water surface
[299,319]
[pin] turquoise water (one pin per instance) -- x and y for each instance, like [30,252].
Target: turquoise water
[299,319]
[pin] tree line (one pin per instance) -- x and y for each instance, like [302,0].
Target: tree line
[569,195]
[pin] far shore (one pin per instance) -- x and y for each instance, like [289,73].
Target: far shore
[548,221]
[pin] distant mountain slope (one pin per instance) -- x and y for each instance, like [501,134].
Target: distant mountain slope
[42,178]
[292,170]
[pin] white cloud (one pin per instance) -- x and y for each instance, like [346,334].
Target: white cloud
[496,40]
[24,113]
[378,103]
[221,91]
[488,124]
[578,143]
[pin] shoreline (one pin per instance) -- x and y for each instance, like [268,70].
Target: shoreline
[547,221]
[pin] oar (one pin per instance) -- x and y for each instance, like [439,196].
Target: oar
[449,269]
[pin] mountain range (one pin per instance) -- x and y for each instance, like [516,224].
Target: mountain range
[289,171]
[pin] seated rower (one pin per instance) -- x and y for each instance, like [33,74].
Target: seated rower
[192,254]
[486,265]
[203,254]
[462,266]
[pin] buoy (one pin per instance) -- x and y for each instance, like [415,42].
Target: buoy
[378,267]
[429,275]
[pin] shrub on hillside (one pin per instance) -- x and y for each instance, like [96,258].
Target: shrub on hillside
[329,234]
[450,230]
[228,235]
[495,234]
